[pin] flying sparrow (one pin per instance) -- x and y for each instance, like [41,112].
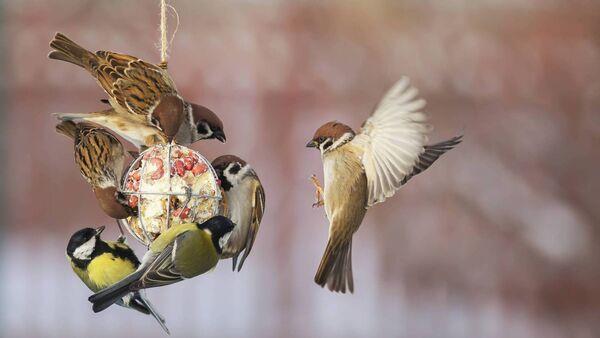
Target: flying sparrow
[147,109]
[244,197]
[363,169]
[99,156]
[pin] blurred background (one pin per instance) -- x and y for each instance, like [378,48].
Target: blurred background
[500,238]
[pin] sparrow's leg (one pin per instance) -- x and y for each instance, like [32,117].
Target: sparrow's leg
[318,192]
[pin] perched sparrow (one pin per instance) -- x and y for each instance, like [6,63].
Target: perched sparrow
[146,106]
[366,168]
[182,252]
[99,156]
[244,197]
[100,264]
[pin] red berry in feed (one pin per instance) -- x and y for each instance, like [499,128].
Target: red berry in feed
[184,213]
[157,174]
[176,212]
[136,175]
[188,162]
[133,201]
[199,168]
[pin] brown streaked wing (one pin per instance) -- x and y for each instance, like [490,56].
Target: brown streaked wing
[94,149]
[136,85]
[258,209]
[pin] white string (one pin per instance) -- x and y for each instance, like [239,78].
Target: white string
[164,44]
[176,24]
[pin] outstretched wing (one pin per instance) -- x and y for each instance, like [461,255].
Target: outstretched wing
[135,85]
[392,138]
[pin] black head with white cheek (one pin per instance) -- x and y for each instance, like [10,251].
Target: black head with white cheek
[330,136]
[219,228]
[231,170]
[206,124]
[83,243]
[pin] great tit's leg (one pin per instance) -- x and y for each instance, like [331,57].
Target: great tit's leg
[318,192]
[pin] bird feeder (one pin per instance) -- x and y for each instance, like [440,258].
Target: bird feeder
[169,184]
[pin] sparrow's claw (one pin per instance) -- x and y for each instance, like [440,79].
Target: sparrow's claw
[318,192]
[121,239]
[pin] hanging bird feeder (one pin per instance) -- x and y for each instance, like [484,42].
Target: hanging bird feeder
[169,184]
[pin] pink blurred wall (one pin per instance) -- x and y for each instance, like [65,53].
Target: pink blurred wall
[500,238]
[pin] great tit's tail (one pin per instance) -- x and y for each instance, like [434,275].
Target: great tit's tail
[335,269]
[112,294]
[141,303]
[67,50]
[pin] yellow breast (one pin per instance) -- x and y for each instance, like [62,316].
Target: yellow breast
[106,270]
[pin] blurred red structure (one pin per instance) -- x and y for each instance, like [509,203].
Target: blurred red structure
[500,238]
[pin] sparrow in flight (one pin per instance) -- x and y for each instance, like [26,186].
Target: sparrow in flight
[364,169]
[146,107]
[243,202]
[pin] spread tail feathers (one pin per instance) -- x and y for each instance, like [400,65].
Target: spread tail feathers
[67,50]
[112,294]
[142,304]
[335,269]
[67,128]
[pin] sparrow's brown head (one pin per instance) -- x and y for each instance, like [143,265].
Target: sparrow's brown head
[230,169]
[330,136]
[168,115]
[113,203]
[206,124]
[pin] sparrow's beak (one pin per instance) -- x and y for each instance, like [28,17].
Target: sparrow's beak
[312,144]
[220,135]
[99,230]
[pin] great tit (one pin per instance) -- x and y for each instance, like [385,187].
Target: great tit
[100,264]
[183,251]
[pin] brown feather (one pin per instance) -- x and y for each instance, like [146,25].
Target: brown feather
[332,129]
[109,203]
[345,197]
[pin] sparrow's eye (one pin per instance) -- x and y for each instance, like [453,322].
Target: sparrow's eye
[321,139]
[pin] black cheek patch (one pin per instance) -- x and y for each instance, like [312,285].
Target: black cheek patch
[225,184]
[201,128]
[327,144]
[235,169]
